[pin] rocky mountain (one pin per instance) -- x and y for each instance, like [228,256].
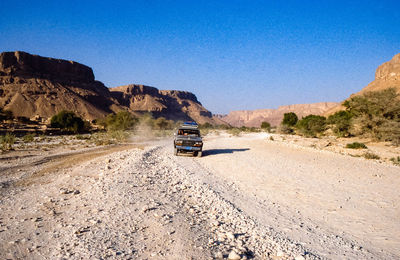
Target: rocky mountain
[171,104]
[254,118]
[31,85]
[387,76]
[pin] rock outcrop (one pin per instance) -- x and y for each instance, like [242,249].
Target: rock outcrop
[171,104]
[31,85]
[387,76]
[254,118]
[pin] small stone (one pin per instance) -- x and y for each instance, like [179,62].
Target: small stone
[279,253]
[219,255]
[299,257]
[230,235]
[233,256]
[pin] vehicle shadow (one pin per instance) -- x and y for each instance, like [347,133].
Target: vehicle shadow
[223,151]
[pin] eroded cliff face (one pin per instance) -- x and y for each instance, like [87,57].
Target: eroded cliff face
[32,85]
[254,118]
[387,76]
[171,104]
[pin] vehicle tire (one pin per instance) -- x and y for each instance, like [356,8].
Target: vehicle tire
[199,153]
[175,151]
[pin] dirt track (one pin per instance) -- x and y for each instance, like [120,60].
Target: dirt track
[248,197]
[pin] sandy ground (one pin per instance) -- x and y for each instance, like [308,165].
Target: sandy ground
[247,197]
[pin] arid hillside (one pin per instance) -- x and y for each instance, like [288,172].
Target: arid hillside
[31,85]
[254,118]
[387,76]
[171,104]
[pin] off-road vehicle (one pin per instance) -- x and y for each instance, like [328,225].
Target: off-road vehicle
[188,139]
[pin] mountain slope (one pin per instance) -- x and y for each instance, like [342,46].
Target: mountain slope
[387,76]
[34,85]
[254,118]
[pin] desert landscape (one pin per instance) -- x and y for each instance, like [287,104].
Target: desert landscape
[257,195]
[200,130]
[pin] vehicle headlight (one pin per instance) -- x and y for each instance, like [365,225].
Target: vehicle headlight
[178,142]
[198,144]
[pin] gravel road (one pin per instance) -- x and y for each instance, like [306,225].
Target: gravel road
[247,197]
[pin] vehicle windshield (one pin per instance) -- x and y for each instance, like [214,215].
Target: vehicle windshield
[189,132]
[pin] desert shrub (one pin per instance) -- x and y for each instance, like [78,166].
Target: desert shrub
[206,126]
[395,160]
[266,126]
[122,120]
[371,156]
[68,121]
[163,124]
[28,138]
[311,125]
[340,123]
[234,131]
[290,119]
[82,137]
[356,145]
[118,135]
[7,141]
[285,129]
[376,114]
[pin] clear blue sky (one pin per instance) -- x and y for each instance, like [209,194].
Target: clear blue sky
[233,55]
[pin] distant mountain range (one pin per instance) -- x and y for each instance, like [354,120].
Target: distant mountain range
[31,85]
[387,76]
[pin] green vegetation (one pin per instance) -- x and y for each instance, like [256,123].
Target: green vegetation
[7,141]
[340,123]
[288,122]
[311,125]
[290,119]
[120,121]
[266,126]
[356,145]
[376,115]
[28,138]
[68,121]
[395,160]
[371,156]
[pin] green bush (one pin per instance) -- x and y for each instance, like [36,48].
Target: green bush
[376,114]
[371,156]
[266,126]
[311,125]
[290,119]
[340,123]
[7,141]
[163,124]
[356,145]
[396,160]
[123,120]
[68,121]
[29,138]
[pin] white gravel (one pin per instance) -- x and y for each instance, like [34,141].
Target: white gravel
[246,198]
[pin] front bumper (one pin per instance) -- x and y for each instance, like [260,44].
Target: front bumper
[188,148]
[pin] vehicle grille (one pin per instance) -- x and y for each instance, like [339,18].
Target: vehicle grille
[188,143]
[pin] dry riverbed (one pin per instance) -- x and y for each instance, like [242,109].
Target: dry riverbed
[248,197]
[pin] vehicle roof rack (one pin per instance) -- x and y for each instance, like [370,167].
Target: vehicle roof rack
[190,124]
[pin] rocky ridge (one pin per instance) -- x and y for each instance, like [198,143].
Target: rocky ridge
[387,76]
[254,118]
[31,86]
